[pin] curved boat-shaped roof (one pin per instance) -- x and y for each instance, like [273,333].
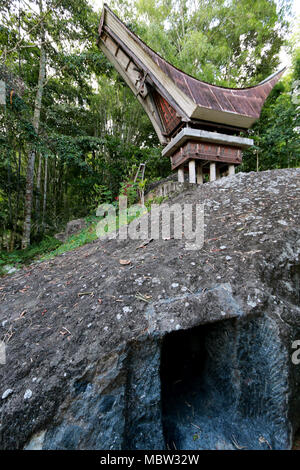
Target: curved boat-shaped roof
[245,101]
[189,97]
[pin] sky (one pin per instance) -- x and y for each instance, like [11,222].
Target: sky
[284,57]
[98,6]
[296,8]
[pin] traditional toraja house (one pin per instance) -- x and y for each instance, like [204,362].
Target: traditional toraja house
[199,123]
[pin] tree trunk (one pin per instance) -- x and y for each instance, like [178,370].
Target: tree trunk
[45,192]
[16,218]
[36,123]
[38,192]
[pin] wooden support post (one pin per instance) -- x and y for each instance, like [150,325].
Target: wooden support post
[199,174]
[212,171]
[218,173]
[231,170]
[180,174]
[192,171]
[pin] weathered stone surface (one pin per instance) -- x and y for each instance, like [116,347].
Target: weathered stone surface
[101,367]
[72,227]
[60,236]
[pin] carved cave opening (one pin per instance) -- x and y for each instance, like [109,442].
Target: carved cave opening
[220,390]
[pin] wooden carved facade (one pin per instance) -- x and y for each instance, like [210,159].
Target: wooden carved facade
[175,101]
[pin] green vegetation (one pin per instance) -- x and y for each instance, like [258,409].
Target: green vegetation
[72,134]
[277,133]
[18,258]
[50,247]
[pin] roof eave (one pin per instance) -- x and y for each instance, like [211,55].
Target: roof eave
[187,134]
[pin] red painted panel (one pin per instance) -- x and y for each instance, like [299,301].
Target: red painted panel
[167,113]
[206,151]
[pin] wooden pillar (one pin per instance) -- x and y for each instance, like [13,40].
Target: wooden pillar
[199,174]
[231,170]
[192,171]
[180,174]
[212,171]
[218,173]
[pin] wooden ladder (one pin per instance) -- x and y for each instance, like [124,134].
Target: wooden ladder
[140,173]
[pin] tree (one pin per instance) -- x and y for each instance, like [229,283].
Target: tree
[277,133]
[73,129]
[40,34]
[36,125]
[222,41]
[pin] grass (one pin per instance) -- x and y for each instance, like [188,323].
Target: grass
[19,258]
[50,247]
[86,235]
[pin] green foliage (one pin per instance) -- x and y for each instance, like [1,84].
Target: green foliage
[50,247]
[155,200]
[19,258]
[102,193]
[86,235]
[130,190]
[277,133]
[93,133]
[224,42]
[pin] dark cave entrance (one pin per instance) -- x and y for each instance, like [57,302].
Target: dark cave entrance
[218,387]
[184,384]
[296,442]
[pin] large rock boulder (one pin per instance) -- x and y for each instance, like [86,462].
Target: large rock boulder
[72,227]
[179,348]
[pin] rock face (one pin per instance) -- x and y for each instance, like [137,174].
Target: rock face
[72,227]
[179,348]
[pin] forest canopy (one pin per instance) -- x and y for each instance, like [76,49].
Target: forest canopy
[71,131]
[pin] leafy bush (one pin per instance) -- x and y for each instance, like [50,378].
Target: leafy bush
[18,258]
